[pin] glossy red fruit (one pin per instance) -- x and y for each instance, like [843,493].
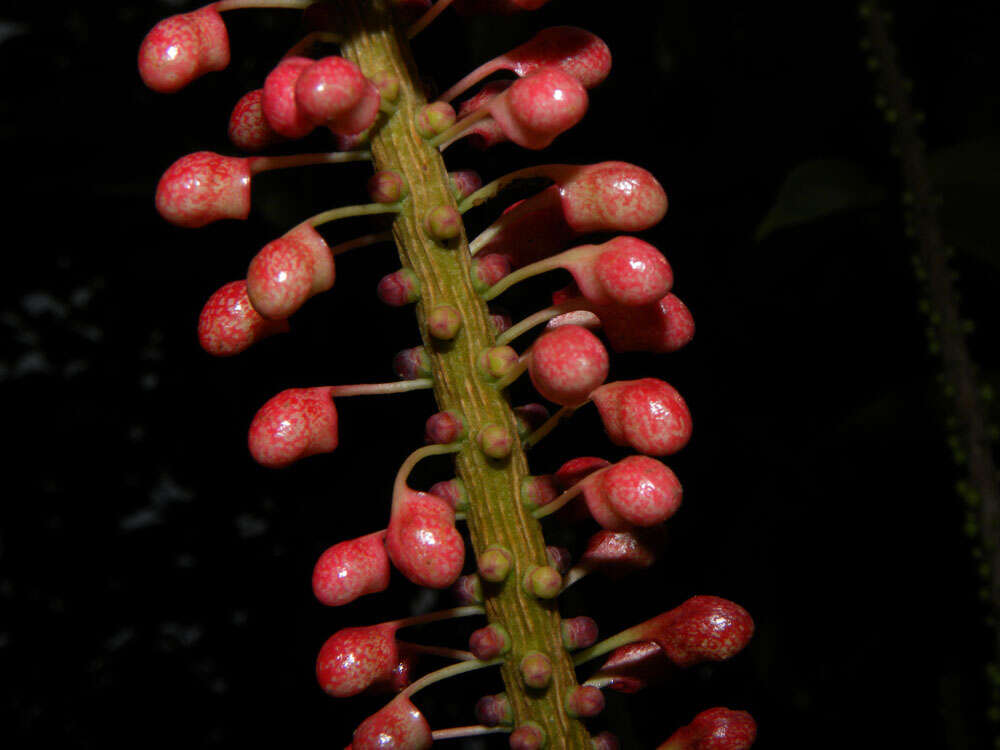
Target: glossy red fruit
[288,271]
[715,729]
[422,540]
[647,414]
[575,51]
[279,103]
[183,47]
[398,726]
[664,326]
[333,92]
[618,553]
[540,106]
[704,628]
[571,49]
[228,323]
[635,666]
[248,128]
[611,196]
[567,364]
[354,658]
[295,424]
[351,569]
[624,271]
[203,187]
[641,491]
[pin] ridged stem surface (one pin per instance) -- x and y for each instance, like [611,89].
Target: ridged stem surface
[496,515]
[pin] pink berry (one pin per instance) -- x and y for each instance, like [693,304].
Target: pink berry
[632,667]
[567,364]
[203,187]
[295,424]
[641,490]
[540,106]
[704,628]
[400,676]
[423,542]
[573,50]
[248,128]
[611,196]
[617,553]
[228,323]
[333,92]
[351,569]
[279,103]
[354,658]
[398,726]
[647,414]
[715,729]
[624,271]
[288,271]
[663,326]
[633,272]
[183,47]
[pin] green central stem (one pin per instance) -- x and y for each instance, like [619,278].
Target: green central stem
[495,515]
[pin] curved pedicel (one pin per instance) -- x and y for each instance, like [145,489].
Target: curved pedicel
[366,100]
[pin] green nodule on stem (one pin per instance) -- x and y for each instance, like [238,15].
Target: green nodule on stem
[496,515]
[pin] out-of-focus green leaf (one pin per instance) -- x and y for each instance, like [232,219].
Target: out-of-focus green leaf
[817,189]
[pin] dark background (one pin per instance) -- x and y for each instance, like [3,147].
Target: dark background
[155,583]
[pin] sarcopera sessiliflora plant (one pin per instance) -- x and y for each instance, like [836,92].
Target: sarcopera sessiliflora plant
[371,98]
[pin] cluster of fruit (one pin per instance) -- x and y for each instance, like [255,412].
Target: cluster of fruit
[621,286]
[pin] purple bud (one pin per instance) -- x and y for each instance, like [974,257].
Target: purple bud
[489,642]
[444,427]
[399,288]
[578,632]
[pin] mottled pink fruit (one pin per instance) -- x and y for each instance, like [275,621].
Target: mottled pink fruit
[641,491]
[540,106]
[647,414]
[228,323]
[704,628]
[575,51]
[567,364]
[295,424]
[617,553]
[288,271]
[281,108]
[632,667]
[664,326]
[401,674]
[611,196]
[422,540]
[398,726]
[624,271]
[203,187]
[488,270]
[715,729]
[333,92]
[248,128]
[183,47]
[351,569]
[485,133]
[354,658]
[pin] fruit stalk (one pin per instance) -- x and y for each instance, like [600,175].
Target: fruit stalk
[496,515]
